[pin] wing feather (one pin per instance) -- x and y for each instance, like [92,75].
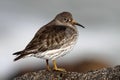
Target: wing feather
[49,38]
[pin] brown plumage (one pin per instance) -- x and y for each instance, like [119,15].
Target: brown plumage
[52,40]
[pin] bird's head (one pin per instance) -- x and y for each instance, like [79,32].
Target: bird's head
[65,18]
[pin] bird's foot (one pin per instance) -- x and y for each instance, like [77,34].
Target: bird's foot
[56,68]
[59,69]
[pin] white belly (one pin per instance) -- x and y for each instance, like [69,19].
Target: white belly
[53,54]
[56,53]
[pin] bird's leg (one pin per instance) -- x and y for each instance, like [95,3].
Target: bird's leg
[47,63]
[56,68]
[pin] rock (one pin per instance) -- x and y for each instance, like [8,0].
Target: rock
[111,73]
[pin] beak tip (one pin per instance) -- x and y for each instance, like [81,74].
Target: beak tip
[83,27]
[80,25]
[75,23]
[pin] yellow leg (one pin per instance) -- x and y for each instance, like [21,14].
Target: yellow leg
[56,68]
[47,63]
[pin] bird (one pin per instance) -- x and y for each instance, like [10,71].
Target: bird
[53,40]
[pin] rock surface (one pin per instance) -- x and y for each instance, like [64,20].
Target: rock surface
[111,73]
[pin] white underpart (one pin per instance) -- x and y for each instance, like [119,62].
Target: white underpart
[53,54]
[56,53]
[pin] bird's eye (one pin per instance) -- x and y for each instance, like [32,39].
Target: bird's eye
[66,20]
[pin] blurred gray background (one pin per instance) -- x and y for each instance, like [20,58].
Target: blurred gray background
[20,19]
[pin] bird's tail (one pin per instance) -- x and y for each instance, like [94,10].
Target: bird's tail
[19,54]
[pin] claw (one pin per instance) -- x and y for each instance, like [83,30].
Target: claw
[56,68]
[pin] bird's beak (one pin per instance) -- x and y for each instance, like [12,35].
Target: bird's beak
[76,23]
